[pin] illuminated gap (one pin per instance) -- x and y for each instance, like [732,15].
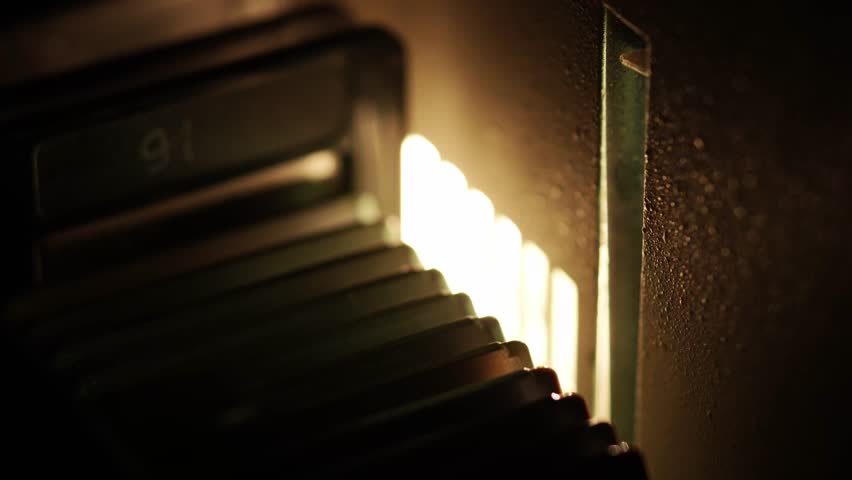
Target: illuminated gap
[534,297]
[419,167]
[475,243]
[507,277]
[602,407]
[602,404]
[455,229]
[447,221]
[564,308]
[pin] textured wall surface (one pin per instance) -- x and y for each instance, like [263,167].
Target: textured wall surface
[743,373]
[746,227]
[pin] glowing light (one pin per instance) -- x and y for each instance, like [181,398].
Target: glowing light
[603,406]
[319,165]
[446,219]
[535,285]
[419,168]
[564,322]
[474,243]
[506,261]
[455,229]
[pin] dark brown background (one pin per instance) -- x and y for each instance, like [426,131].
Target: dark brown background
[743,368]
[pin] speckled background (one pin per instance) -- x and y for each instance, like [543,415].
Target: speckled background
[742,367]
[743,373]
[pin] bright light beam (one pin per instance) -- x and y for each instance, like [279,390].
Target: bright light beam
[455,229]
[535,285]
[475,243]
[506,261]
[564,323]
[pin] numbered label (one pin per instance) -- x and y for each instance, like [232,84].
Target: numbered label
[155,149]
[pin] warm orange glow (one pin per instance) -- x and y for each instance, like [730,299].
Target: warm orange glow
[419,168]
[564,312]
[506,264]
[474,242]
[535,291]
[455,229]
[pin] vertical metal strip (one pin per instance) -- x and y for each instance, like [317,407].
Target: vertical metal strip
[625,81]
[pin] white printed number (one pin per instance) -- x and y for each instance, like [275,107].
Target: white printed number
[155,149]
